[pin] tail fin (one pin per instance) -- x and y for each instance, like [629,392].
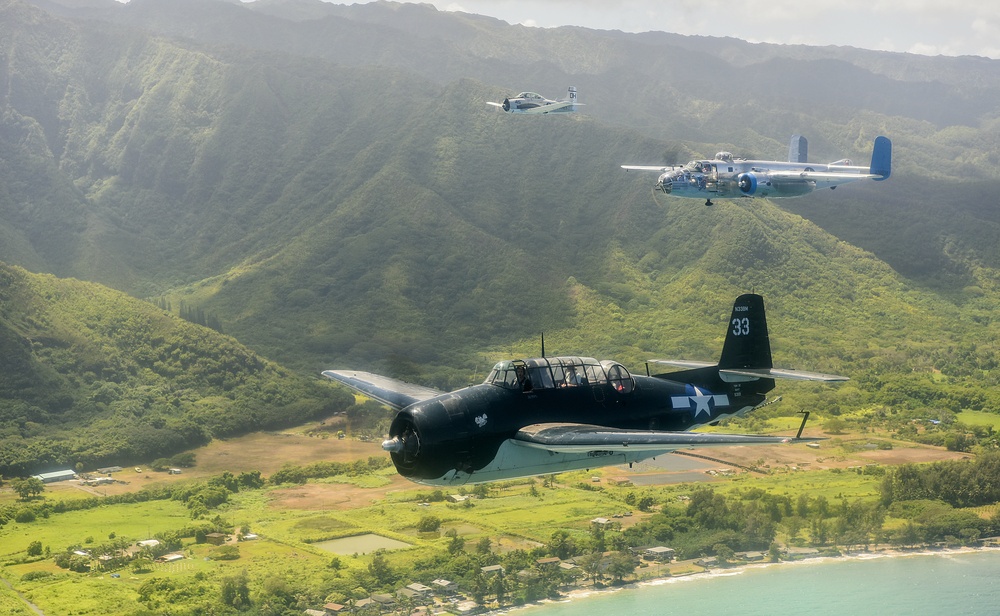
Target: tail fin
[572,97]
[747,344]
[798,150]
[881,158]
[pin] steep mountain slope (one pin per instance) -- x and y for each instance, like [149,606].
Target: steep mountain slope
[92,376]
[328,181]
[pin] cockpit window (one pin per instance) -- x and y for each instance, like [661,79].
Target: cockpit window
[548,373]
[619,378]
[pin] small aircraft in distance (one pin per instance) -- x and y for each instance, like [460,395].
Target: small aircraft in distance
[530,102]
[554,414]
[726,177]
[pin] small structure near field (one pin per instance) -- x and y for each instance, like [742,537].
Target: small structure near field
[62,475]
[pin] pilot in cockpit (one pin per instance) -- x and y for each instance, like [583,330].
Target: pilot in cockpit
[523,379]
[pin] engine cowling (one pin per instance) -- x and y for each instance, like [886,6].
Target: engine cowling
[747,183]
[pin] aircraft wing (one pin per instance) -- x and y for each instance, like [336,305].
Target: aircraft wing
[583,438]
[660,168]
[392,392]
[822,178]
[556,106]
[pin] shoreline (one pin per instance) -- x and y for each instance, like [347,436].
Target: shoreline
[584,593]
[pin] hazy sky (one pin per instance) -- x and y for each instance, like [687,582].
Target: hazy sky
[929,27]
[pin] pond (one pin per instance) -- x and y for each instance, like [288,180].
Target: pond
[360,544]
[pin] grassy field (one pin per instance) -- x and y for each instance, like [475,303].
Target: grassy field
[979,418]
[290,519]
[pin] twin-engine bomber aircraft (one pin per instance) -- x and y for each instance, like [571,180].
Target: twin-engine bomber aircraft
[529,102]
[726,177]
[554,414]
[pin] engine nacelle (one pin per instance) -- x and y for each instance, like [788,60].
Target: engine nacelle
[747,183]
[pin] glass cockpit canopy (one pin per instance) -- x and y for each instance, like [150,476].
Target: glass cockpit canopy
[532,95]
[558,372]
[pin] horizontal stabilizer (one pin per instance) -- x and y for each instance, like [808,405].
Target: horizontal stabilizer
[777,373]
[757,373]
[583,438]
[681,363]
[392,392]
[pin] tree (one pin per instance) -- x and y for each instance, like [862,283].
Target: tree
[236,591]
[380,570]
[484,546]
[723,553]
[561,545]
[591,565]
[621,565]
[429,524]
[28,488]
[35,548]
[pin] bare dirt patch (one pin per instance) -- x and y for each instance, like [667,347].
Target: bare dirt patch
[262,451]
[325,496]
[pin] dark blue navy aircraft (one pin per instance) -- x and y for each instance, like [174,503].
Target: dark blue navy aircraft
[554,414]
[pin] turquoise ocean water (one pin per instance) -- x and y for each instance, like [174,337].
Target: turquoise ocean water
[952,583]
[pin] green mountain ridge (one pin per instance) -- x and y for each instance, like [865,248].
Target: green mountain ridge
[328,182]
[94,377]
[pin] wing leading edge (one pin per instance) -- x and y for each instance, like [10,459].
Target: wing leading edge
[583,438]
[392,392]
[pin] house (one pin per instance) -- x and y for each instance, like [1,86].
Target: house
[215,538]
[314,613]
[169,558]
[659,553]
[457,498]
[385,601]
[148,543]
[420,589]
[551,561]
[752,556]
[407,593]
[445,586]
[361,604]
[62,475]
[620,481]
[173,471]
[600,521]
[708,561]
[491,570]
[333,608]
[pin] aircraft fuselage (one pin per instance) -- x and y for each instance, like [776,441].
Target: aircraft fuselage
[728,179]
[468,434]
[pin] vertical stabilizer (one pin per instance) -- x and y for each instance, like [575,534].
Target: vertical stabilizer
[747,344]
[798,150]
[881,158]
[572,97]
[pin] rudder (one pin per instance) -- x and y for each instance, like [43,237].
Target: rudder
[881,158]
[747,344]
[798,150]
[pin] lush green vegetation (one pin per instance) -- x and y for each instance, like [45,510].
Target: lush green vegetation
[335,214]
[285,569]
[91,377]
